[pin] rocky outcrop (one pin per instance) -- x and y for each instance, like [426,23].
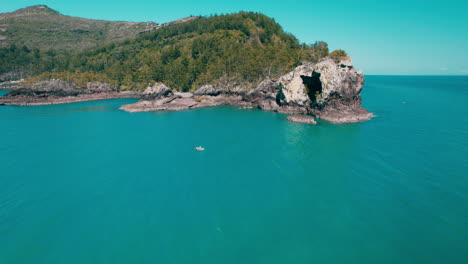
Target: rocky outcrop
[303,119]
[338,99]
[266,90]
[227,85]
[209,90]
[100,87]
[47,89]
[178,102]
[11,76]
[11,85]
[156,91]
[327,90]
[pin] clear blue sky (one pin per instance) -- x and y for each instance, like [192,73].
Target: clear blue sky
[383,37]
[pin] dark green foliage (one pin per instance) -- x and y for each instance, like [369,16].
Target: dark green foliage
[317,51]
[338,55]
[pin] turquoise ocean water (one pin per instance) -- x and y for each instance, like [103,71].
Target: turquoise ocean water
[87,183]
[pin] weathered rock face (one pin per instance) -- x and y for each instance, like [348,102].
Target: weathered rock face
[292,86]
[11,76]
[100,87]
[267,89]
[208,90]
[155,91]
[215,90]
[329,90]
[11,85]
[321,83]
[46,89]
[339,81]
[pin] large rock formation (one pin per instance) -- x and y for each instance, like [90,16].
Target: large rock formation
[339,100]
[326,90]
[329,91]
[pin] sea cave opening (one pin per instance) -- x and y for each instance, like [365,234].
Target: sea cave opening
[313,85]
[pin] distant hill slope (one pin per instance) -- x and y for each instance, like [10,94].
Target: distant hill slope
[44,28]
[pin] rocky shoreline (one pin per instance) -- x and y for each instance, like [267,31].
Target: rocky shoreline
[60,92]
[327,90]
[27,101]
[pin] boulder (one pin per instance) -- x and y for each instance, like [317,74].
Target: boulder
[208,90]
[267,89]
[303,119]
[156,91]
[183,95]
[268,105]
[99,87]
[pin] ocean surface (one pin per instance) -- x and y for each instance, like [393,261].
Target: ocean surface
[88,183]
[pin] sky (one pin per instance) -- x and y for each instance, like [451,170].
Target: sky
[397,37]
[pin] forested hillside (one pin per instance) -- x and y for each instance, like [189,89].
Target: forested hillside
[238,49]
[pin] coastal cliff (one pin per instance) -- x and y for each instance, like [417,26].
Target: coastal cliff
[327,90]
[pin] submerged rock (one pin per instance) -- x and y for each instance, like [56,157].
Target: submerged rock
[303,119]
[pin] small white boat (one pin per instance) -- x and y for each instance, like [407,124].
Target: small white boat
[199,148]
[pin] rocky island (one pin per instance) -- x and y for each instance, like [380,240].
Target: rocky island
[244,60]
